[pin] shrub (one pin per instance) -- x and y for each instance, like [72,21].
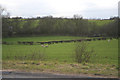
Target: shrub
[82,54]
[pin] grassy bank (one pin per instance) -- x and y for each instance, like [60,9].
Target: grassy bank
[87,69]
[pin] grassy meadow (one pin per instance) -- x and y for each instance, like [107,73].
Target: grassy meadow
[42,38]
[60,55]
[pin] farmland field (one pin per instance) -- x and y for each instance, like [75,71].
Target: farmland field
[101,22]
[60,43]
[42,38]
[106,53]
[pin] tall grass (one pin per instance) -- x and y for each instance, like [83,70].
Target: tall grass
[22,52]
[36,55]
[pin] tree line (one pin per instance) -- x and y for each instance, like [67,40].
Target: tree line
[58,26]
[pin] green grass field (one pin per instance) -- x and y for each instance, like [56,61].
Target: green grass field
[42,38]
[106,52]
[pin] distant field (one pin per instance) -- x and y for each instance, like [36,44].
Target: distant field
[101,22]
[42,38]
[106,52]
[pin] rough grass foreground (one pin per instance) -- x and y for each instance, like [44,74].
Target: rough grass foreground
[62,68]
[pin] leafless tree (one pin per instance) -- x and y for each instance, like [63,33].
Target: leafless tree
[3,12]
[77,16]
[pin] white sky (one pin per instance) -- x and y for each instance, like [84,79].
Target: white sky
[62,8]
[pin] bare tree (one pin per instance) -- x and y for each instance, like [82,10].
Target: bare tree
[77,16]
[3,12]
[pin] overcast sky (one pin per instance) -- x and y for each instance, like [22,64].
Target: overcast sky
[62,8]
